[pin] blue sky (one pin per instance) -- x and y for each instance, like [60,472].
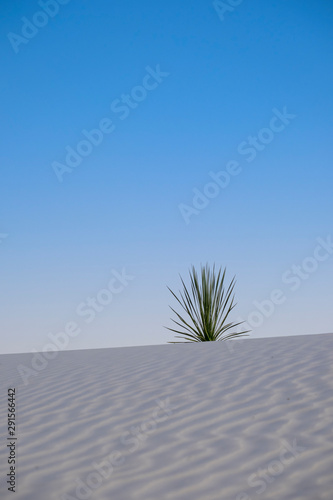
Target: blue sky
[62,236]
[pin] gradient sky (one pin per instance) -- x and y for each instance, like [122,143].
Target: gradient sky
[119,208]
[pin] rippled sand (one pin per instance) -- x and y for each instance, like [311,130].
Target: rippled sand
[182,422]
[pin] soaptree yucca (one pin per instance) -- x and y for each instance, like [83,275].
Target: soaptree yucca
[207,304]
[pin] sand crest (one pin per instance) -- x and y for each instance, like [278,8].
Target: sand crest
[181,422]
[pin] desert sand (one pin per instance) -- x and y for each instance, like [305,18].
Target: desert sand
[236,420]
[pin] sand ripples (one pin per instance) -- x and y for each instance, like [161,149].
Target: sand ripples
[229,415]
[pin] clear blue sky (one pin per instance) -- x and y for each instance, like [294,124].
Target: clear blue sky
[120,207]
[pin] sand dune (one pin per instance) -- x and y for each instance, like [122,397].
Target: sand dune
[183,422]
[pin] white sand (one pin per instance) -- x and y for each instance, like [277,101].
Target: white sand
[230,415]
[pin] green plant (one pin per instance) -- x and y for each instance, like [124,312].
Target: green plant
[208,304]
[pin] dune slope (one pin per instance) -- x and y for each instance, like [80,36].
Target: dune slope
[239,421]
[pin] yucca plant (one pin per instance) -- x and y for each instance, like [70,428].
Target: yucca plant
[208,304]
